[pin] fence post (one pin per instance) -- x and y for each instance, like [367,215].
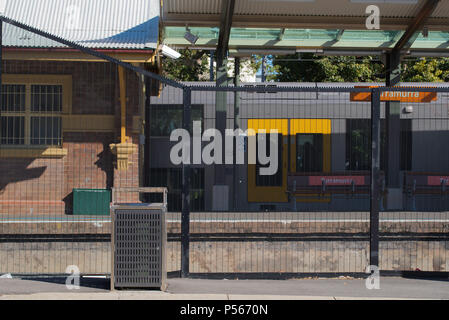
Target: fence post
[147,116]
[185,215]
[375,177]
[1,59]
[1,67]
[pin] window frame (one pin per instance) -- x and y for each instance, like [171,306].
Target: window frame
[321,155]
[175,107]
[171,178]
[38,79]
[405,141]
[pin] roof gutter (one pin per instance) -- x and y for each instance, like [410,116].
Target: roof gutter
[150,51]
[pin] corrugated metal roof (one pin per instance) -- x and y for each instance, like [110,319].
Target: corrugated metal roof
[298,8]
[247,10]
[294,8]
[102,24]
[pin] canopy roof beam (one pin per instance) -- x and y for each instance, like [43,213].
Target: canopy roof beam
[281,34]
[411,33]
[227,12]
[292,22]
[339,34]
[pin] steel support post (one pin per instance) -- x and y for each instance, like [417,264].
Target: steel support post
[393,123]
[186,171]
[375,177]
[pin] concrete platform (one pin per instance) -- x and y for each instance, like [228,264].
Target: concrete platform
[190,289]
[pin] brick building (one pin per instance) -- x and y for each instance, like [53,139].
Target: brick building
[69,120]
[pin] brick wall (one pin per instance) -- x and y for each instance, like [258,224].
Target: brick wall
[94,84]
[44,186]
[31,186]
[127,179]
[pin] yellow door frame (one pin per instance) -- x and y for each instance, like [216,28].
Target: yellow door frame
[312,126]
[269,194]
[287,127]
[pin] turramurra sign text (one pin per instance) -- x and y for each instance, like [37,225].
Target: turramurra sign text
[401,96]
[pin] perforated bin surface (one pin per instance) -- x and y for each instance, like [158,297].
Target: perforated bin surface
[138,245]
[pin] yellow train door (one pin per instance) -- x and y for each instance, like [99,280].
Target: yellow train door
[309,152]
[310,145]
[269,188]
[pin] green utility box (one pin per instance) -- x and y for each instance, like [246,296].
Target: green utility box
[91,202]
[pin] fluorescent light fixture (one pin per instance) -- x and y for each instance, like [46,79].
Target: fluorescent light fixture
[169,52]
[198,48]
[262,52]
[352,53]
[189,36]
[309,50]
[435,54]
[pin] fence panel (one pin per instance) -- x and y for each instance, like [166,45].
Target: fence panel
[290,222]
[415,230]
[71,131]
[59,142]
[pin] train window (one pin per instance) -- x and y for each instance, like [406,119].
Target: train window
[166,118]
[358,142]
[309,153]
[276,179]
[172,179]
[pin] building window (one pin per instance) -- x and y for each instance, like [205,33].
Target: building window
[172,179]
[358,144]
[309,153]
[32,108]
[166,118]
[273,180]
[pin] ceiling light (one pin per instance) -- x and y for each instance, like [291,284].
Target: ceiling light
[170,53]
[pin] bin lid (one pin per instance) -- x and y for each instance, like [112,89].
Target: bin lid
[143,205]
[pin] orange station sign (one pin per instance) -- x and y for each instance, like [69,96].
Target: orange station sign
[401,96]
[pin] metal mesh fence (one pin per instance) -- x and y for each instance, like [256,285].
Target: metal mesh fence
[327,228]
[71,131]
[414,231]
[58,163]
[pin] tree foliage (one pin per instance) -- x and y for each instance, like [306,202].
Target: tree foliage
[312,68]
[426,70]
[193,65]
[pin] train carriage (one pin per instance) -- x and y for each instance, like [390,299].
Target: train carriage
[324,154]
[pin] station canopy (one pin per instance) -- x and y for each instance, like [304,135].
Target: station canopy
[329,27]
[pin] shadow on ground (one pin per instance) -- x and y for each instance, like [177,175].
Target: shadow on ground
[94,283]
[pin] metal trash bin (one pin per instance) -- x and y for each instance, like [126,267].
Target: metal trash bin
[138,243]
